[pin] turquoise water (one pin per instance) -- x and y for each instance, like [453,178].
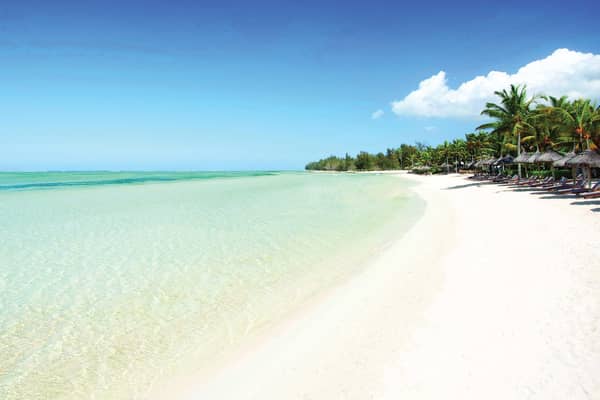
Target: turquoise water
[111,283]
[40,180]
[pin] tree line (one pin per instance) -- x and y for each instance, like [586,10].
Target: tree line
[518,122]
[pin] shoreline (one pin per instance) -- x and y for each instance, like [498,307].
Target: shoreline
[328,311]
[493,293]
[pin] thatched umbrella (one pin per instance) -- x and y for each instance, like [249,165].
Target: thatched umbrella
[488,162]
[588,159]
[522,158]
[479,164]
[549,156]
[561,163]
[534,157]
[446,166]
[504,160]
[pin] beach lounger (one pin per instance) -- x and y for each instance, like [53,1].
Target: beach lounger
[527,181]
[594,188]
[518,181]
[594,195]
[534,183]
[509,179]
[478,177]
[546,181]
[562,181]
[578,183]
[572,190]
[493,177]
[500,179]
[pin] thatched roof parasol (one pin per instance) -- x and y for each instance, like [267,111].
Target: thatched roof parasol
[504,160]
[488,161]
[471,164]
[561,162]
[446,165]
[549,156]
[534,158]
[588,158]
[523,157]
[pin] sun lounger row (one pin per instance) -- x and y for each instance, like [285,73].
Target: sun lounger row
[578,186]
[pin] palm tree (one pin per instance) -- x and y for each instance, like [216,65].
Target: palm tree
[458,151]
[541,129]
[477,143]
[547,126]
[510,115]
[595,129]
[445,152]
[580,119]
[561,102]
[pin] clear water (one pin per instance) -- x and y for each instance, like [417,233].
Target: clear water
[113,282]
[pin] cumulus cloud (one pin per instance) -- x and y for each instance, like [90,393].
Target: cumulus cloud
[564,72]
[377,114]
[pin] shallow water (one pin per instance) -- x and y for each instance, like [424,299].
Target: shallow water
[113,282]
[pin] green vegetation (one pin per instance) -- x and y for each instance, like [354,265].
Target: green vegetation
[518,123]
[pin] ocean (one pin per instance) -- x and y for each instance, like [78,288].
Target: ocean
[114,282]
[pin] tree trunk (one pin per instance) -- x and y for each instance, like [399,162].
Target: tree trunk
[519,151]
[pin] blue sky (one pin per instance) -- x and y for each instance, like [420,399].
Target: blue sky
[251,85]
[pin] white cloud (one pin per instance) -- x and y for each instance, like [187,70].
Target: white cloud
[430,128]
[564,72]
[377,114]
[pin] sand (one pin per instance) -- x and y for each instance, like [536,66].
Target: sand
[493,294]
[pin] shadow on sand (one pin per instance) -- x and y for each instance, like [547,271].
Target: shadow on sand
[559,196]
[467,185]
[586,203]
[540,192]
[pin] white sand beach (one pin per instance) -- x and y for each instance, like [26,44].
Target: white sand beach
[493,294]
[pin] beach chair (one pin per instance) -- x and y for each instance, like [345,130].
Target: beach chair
[491,177]
[527,181]
[571,190]
[478,176]
[534,182]
[546,181]
[510,180]
[577,183]
[593,195]
[520,180]
[580,191]
[561,181]
[500,179]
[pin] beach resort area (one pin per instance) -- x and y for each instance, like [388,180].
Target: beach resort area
[456,285]
[497,294]
[233,200]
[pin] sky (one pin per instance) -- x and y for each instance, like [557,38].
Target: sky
[202,85]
